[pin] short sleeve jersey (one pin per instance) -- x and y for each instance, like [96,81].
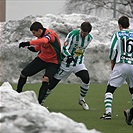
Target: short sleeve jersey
[121,48]
[76,46]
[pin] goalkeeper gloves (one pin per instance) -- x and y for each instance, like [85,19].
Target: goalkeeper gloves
[70,59]
[31,48]
[24,44]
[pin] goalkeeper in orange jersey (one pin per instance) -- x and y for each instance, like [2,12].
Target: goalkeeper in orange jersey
[49,47]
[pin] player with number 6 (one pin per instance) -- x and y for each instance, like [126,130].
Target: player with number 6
[121,56]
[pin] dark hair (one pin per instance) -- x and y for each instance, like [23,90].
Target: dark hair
[36,26]
[124,21]
[86,27]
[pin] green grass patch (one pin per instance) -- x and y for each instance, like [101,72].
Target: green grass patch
[64,98]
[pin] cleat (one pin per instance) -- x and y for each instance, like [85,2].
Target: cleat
[42,103]
[106,116]
[127,116]
[84,104]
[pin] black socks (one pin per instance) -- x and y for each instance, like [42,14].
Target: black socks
[21,83]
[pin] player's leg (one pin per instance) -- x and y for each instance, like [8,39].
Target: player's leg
[34,67]
[108,102]
[22,80]
[128,116]
[116,79]
[50,71]
[61,74]
[51,86]
[129,80]
[131,92]
[129,112]
[84,86]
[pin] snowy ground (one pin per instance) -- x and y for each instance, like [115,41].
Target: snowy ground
[21,113]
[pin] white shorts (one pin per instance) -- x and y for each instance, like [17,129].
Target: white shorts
[64,71]
[121,72]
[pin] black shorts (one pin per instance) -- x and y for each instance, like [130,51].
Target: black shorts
[37,65]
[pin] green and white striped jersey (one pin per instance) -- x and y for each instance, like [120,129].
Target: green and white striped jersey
[76,46]
[121,48]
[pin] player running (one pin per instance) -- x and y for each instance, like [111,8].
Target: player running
[73,53]
[121,56]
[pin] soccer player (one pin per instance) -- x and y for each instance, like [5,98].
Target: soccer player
[73,53]
[129,116]
[121,56]
[49,47]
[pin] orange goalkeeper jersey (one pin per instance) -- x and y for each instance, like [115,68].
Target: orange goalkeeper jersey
[49,46]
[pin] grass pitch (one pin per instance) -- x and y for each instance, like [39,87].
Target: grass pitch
[64,98]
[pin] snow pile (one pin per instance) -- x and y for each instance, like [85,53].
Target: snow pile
[13,59]
[21,113]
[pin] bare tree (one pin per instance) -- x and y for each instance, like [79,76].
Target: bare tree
[2,10]
[99,7]
[132,7]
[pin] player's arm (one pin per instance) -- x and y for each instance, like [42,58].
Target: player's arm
[67,44]
[40,41]
[113,51]
[112,64]
[69,57]
[65,48]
